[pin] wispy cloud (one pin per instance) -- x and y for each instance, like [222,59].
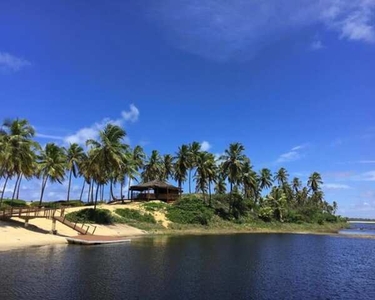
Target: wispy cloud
[237,29]
[48,136]
[366,176]
[205,146]
[294,154]
[336,186]
[92,132]
[12,63]
[132,115]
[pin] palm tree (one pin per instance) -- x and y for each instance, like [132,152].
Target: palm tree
[265,179]
[220,186]
[282,176]
[167,166]
[17,136]
[278,200]
[181,165]
[233,162]
[296,185]
[250,181]
[136,163]
[106,155]
[314,182]
[205,172]
[153,168]
[74,156]
[51,166]
[194,149]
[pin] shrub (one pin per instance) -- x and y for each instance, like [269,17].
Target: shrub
[154,206]
[266,213]
[190,210]
[89,215]
[135,215]
[15,203]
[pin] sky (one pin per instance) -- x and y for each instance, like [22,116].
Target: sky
[292,80]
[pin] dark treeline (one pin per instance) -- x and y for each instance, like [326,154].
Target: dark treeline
[109,162]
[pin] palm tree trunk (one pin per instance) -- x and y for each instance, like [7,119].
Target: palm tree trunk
[15,186]
[111,190]
[83,188]
[102,193]
[3,191]
[129,185]
[230,198]
[88,192]
[189,181]
[18,188]
[96,198]
[121,193]
[92,190]
[44,182]
[97,192]
[70,181]
[209,192]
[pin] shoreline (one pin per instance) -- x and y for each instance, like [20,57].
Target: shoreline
[39,238]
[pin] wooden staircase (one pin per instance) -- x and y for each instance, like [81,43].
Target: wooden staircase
[80,228]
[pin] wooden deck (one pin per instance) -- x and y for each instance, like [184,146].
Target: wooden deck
[96,240]
[27,213]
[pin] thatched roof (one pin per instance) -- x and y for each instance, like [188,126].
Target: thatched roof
[155,184]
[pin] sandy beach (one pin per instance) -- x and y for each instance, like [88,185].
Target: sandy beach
[14,235]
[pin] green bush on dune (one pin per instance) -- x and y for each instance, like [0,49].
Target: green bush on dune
[89,215]
[134,215]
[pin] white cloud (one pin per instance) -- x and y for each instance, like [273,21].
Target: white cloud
[336,186]
[366,161]
[11,62]
[132,115]
[92,132]
[205,146]
[48,136]
[366,176]
[292,155]
[224,30]
[317,45]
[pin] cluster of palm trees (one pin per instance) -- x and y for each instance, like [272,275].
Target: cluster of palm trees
[108,161]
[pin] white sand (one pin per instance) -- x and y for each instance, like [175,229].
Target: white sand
[14,235]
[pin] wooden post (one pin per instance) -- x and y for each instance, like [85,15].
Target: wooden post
[26,222]
[53,231]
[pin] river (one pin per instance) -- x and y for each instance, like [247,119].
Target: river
[242,266]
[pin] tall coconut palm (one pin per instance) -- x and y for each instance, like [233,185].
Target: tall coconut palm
[232,165]
[51,166]
[282,176]
[250,181]
[167,166]
[220,186]
[233,162]
[314,182]
[74,156]
[18,135]
[296,185]
[205,172]
[181,165]
[136,163]
[265,179]
[152,169]
[194,149]
[107,153]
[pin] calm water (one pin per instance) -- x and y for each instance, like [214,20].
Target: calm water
[360,228]
[257,266]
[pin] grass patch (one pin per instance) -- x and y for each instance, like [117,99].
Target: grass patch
[138,220]
[154,206]
[14,203]
[89,215]
[190,210]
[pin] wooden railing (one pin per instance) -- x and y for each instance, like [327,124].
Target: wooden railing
[22,212]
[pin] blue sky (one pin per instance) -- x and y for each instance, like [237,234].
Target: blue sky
[292,80]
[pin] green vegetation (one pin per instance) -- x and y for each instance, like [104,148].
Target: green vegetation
[190,210]
[89,215]
[58,204]
[14,203]
[154,206]
[253,197]
[134,215]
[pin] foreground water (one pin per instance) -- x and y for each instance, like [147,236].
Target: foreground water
[253,266]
